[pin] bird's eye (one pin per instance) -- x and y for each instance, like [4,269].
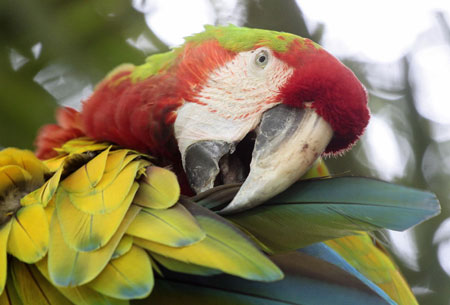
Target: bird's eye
[262,58]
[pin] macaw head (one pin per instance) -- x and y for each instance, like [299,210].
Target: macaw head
[241,105]
[282,97]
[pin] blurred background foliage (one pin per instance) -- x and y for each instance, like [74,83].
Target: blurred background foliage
[53,52]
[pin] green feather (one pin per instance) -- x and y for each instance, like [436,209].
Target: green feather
[232,38]
[33,288]
[239,39]
[322,209]
[179,266]
[81,295]
[308,281]
[224,248]
[174,227]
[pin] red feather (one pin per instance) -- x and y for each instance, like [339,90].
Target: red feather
[54,135]
[336,93]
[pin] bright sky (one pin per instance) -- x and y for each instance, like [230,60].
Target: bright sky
[377,30]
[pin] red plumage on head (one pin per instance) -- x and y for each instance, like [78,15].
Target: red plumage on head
[335,92]
[54,135]
[139,114]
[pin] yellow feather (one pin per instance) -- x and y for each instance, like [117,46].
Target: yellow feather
[12,176]
[68,267]
[361,253]
[4,233]
[156,267]
[174,227]
[114,165]
[28,239]
[80,295]
[98,200]
[123,247]
[49,188]
[116,159]
[81,145]
[319,169]
[4,298]
[6,159]
[33,288]
[223,249]
[26,160]
[373,263]
[56,162]
[178,266]
[131,157]
[86,177]
[127,277]
[45,193]
[87,232]
[49,209]
[159,189]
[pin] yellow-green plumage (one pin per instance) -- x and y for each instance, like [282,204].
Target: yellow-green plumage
[224,248]
[108,217]
[159,190]
[29,235]
[124,279]
[69,267]
[174,227]
[82,295]
[99,208]
[183,267]
[123,247]
[4,233]
[84,231]
[37,290]
[361,252]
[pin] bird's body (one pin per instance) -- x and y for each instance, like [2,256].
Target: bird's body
[231,105]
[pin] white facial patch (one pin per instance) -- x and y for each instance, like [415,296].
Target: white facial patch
[230,104]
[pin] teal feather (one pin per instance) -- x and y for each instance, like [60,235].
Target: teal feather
[308,281]
[316,210]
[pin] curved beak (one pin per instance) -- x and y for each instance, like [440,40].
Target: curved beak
[288,142]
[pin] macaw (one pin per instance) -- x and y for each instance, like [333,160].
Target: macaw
[232,119]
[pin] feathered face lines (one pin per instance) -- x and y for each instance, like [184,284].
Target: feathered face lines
[195,64]
[241,86]
[227,84]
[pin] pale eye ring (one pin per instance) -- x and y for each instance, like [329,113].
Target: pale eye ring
[262,58]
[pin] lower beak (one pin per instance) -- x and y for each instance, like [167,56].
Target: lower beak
[288,142]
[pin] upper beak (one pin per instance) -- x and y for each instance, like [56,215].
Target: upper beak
[288,141]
